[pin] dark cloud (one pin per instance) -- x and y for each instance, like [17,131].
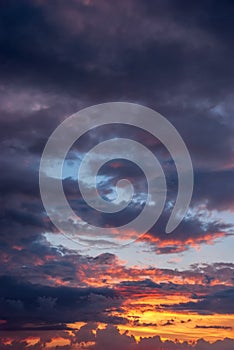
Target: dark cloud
[146,52]
[214,327]
[215,188]
[220,302]
[22,303]
[149,53]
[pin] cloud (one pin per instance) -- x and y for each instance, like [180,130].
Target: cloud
[22,303]
[54,74]
[57,57]
[220,301]
[111,337]
[214,327]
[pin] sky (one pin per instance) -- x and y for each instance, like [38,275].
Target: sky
[160,291]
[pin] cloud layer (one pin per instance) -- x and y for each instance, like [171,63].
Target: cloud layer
[57,57]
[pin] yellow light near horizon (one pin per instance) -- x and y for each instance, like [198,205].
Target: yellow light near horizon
[183,326]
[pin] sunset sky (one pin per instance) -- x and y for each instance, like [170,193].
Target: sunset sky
[162,291]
